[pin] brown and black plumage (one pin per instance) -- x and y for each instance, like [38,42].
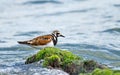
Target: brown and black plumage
[49,40]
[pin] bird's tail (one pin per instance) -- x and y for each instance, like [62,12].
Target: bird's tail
[23,42]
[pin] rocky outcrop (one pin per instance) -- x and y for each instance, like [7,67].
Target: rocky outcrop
[66,61]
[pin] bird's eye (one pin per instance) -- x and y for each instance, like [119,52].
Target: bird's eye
[58,33]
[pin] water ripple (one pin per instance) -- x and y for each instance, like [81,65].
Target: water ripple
[112,30]
[31,33]
[43,2]
[118,21]
[68,12]
[17,48]
[88,47]
[84,46]
[108,16]
[2,41]
[116,5]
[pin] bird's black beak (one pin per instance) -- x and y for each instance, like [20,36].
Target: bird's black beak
[62,35]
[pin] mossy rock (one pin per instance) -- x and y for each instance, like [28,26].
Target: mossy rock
[63,55]
[102,72]
[98,71]
[53,61]
[65,60]
[105,72]
[116,72]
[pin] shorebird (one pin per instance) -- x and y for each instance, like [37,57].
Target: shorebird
[49,40]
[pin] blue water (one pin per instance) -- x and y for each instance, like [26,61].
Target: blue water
[91,27]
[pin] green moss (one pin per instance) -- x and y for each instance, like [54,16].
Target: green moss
[64,56]
[68,57]
[67,61]
[102,72]
[56,58]
[53,61]
[107,72]
[46,52]
[116,72]
[85,74]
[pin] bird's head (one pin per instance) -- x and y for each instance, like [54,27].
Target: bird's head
[57,33]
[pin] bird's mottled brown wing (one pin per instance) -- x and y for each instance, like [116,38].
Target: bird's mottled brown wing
[41,40]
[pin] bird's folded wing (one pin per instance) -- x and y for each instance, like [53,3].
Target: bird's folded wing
[41,40]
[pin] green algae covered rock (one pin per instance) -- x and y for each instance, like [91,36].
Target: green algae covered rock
[98,71]
[56,58]
[53,61]
[50,54]
[116,72]
[105,72]
[102,72]
[65,60]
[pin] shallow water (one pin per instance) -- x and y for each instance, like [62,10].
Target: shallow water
[91,27]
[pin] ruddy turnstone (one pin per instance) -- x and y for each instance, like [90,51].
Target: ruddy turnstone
[49,40]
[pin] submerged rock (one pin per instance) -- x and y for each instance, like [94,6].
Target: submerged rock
[64,60]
